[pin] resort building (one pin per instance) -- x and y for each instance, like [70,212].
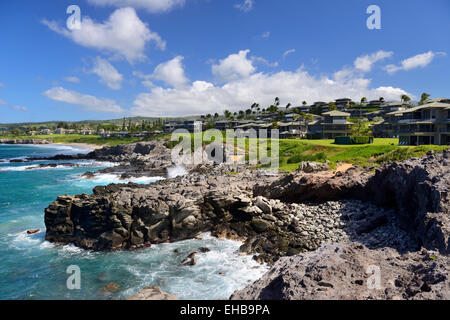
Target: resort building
[222,125]
[319,107]
[305,109]
[46,131]
[389,127]
[343,104]
[193,125]
[290,130]
[171,126]
[374,104]
[394,106]
[334,124]
[425,124]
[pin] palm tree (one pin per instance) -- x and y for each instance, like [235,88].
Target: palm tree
[227,114]
[277,101]
[381,99]
[405,98]
[288,106]
[424,98]
[363,100]
[304,103]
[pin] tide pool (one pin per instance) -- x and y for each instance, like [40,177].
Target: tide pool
[32,268]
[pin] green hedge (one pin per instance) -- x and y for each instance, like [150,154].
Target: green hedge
[361,140]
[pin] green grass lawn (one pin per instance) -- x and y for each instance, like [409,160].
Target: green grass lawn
[76,138]
[293,152]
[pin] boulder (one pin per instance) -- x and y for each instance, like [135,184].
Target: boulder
[152,293]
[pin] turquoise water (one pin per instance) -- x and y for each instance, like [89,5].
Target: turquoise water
[32,268]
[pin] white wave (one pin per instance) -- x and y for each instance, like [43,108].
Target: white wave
[176,172]
[19,168]
[107,178]
[8,160]
[23,240]
[217,273]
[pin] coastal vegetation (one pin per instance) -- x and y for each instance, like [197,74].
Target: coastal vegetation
[77,138]
[294,151]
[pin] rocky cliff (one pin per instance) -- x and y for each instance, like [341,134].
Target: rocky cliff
[349,271]
[401,207]
[418,189]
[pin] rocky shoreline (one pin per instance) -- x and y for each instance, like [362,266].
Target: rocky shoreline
[25,141]
[289,221]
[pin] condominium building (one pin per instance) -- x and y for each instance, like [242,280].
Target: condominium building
[425,124]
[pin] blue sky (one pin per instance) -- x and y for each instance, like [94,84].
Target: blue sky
[183,57]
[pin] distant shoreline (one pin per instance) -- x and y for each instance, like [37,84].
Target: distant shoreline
[88,146]
[81,145]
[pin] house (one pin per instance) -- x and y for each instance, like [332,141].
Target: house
[343,104]
[60,131]
[46,132]
[86,132]
[425,124]
[105,134]
[32,133]
[121,134]
[141,134]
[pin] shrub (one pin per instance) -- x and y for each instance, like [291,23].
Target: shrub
[361,140]
[297,158]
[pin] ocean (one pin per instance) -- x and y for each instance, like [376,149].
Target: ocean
[32,268]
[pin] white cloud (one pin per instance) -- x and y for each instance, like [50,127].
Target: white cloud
[20,108]
[361,65]
[265,62]
[171,73]
[417,61]
[72,79]
[365,63]
[88,102]
[152,6]
[107,73]
[3,102]
[265,35]
[234,67]
[246,6]
[203,97]
[288,52]
[123,34]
